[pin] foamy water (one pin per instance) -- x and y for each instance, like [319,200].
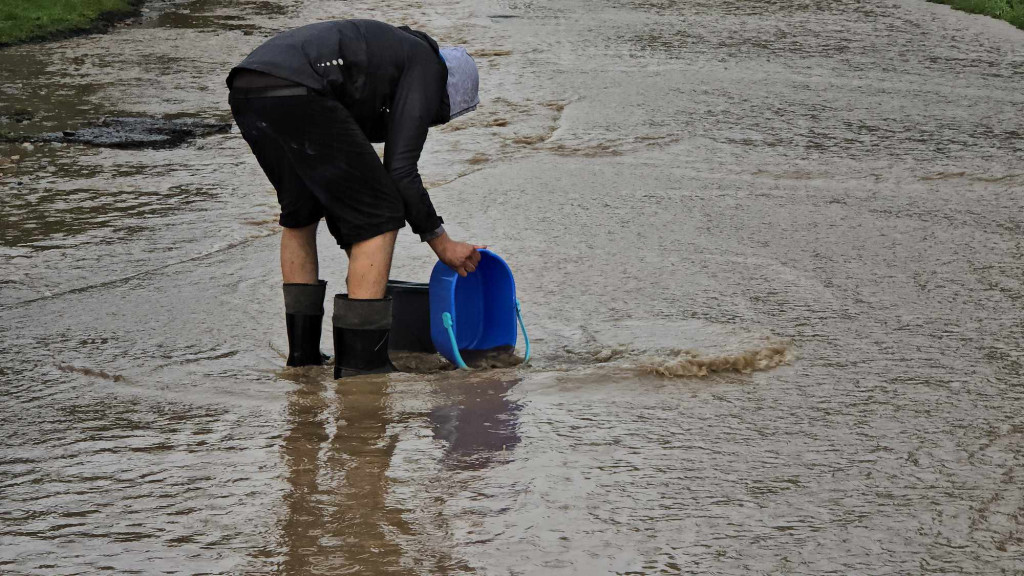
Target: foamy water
[691,363]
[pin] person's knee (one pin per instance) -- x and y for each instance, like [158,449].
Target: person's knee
[301,232]
[382,244]
[369,266]
[298,255]
[385,237]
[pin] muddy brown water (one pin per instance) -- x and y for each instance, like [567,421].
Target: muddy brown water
[817,204]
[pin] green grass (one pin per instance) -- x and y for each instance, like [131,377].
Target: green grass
[1010,10]
[25,20]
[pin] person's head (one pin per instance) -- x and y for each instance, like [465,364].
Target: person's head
[463,81]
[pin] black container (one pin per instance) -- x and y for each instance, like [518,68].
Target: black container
[410,317]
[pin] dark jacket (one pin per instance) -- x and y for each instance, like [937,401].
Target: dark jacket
[391,79]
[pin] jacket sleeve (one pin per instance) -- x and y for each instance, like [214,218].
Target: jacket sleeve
[413,108]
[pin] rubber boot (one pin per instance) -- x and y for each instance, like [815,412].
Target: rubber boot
[362,329]
[304,315]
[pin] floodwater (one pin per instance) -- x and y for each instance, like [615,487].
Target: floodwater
[770,255]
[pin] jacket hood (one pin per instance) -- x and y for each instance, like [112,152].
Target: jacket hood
[463,81]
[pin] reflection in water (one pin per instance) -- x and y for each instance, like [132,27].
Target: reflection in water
[338,517]
[342,515]
[307,431]
[479,426]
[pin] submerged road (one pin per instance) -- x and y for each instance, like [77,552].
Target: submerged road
[841,181]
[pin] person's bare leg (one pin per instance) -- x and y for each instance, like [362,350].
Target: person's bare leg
[369,265]
[299,263]
[348,255]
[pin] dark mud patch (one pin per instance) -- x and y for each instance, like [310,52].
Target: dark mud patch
[975,177]
[129,133]
[490,53]
[91,372]
[16,115]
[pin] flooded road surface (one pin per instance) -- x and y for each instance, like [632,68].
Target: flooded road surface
[820,201]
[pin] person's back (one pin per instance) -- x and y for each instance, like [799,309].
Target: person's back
[357,62]
[309,102]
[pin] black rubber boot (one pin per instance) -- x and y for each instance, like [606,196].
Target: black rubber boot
[361,332]
[304,315]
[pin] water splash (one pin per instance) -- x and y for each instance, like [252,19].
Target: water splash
[688,363]
[681,363]
[419,363]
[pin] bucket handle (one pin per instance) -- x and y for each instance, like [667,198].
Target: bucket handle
[526,337]
[446,320]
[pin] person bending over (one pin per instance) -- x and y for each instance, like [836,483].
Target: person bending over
[309,102]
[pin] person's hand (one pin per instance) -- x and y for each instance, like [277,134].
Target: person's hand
[460,256]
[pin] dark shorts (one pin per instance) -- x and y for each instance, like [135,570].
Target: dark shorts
[321,165]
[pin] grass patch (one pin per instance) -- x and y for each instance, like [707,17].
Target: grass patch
[1010,10]
[26,20]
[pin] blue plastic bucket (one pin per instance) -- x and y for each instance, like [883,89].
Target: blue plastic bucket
[478,312]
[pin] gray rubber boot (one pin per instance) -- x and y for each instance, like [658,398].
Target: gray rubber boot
[304,315]
[362,329]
